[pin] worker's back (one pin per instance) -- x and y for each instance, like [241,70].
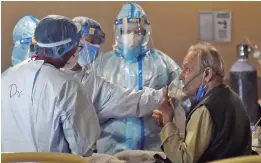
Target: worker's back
[36,111]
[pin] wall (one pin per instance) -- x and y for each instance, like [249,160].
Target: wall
[174,24]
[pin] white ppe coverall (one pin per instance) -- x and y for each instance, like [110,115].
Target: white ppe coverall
[46,110]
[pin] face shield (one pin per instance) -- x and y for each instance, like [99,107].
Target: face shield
[25,28]
[91,41]
[21,50]
[47,47]
[132,37]
[22,37]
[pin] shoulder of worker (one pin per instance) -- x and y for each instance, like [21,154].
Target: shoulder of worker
[159,53]
[104,57]
[108,54]
[76,74]
[59,79]
[170,63]
[5,72]
[13,69]
[106,61]
[60,75]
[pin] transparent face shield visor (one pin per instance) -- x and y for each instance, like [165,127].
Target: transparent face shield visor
[91,42]
[131,35]
[59,49]
[23,38]
[23,50]
[24,29]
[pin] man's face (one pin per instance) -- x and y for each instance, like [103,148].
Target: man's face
[190,69]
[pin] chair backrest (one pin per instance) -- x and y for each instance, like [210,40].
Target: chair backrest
[242,159]
[41,157]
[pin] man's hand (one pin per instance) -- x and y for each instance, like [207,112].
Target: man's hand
[157,117]
[166,109]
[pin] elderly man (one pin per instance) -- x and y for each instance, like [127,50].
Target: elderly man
[217,126]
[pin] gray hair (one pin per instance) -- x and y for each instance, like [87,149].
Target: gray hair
[208,56]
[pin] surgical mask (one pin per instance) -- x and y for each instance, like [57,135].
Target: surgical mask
[88,53]
[129,49]
[93,50]
[201,91]
[128,40]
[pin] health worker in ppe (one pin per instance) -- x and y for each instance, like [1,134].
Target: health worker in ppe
[108,98]
[22,39]
[132,64]
[45,109]
[110,101]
